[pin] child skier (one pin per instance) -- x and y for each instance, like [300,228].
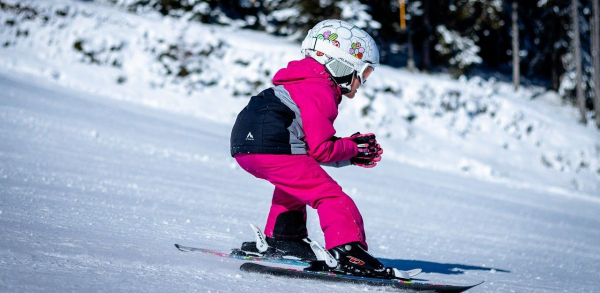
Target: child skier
[286,132]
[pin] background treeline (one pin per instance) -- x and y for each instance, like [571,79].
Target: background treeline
[459,36]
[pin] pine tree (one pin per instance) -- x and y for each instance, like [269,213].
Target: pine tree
[515,46]
[595,32]
[577,52]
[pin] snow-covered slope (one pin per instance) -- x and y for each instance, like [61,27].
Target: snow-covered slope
[480,129]
[99,177]
[94,192]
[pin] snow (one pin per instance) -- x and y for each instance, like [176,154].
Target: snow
[463,51]
[356,13]
[99,178]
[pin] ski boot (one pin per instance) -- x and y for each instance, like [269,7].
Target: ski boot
[353,259]
[278,247]
[282,248]
[292,248]
[288,241]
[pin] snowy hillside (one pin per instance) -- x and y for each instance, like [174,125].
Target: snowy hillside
[114,145]
[478,128]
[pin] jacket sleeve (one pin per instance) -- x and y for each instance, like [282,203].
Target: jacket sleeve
[334,150]
[323,146]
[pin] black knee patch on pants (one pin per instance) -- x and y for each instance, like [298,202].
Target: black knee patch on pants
[290,224]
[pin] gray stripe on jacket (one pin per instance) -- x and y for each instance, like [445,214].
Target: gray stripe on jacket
[296,131]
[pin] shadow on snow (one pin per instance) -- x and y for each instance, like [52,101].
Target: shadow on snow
[434,267]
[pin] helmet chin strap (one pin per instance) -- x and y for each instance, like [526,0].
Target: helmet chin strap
[344,90]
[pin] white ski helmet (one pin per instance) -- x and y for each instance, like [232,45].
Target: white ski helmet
[343,48]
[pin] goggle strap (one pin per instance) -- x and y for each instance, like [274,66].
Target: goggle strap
[337,68]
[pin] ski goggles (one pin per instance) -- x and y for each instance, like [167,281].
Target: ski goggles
[361,74]
[341,70]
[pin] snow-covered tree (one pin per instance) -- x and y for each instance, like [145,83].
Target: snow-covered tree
[460,51]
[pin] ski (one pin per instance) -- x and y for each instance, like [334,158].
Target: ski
[238,254]
[333,277]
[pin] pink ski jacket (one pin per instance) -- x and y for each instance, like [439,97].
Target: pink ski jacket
[318,98]
[295,117]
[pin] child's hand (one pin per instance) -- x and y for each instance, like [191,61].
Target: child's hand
[369,151]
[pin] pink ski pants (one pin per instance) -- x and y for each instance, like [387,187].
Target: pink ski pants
[300,181]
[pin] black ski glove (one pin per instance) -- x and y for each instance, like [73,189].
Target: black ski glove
[369,151]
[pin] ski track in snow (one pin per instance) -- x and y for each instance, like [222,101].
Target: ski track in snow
[94,192]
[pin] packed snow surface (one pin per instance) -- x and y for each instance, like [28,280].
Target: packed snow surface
[110,153]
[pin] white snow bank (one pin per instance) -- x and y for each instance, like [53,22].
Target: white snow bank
[478,128]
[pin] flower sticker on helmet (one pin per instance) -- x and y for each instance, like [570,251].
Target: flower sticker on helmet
[328,36]
[356,50]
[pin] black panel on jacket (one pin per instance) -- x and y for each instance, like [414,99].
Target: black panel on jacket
[262,126]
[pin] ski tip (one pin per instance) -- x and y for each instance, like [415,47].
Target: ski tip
[465,288]
[178,247]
